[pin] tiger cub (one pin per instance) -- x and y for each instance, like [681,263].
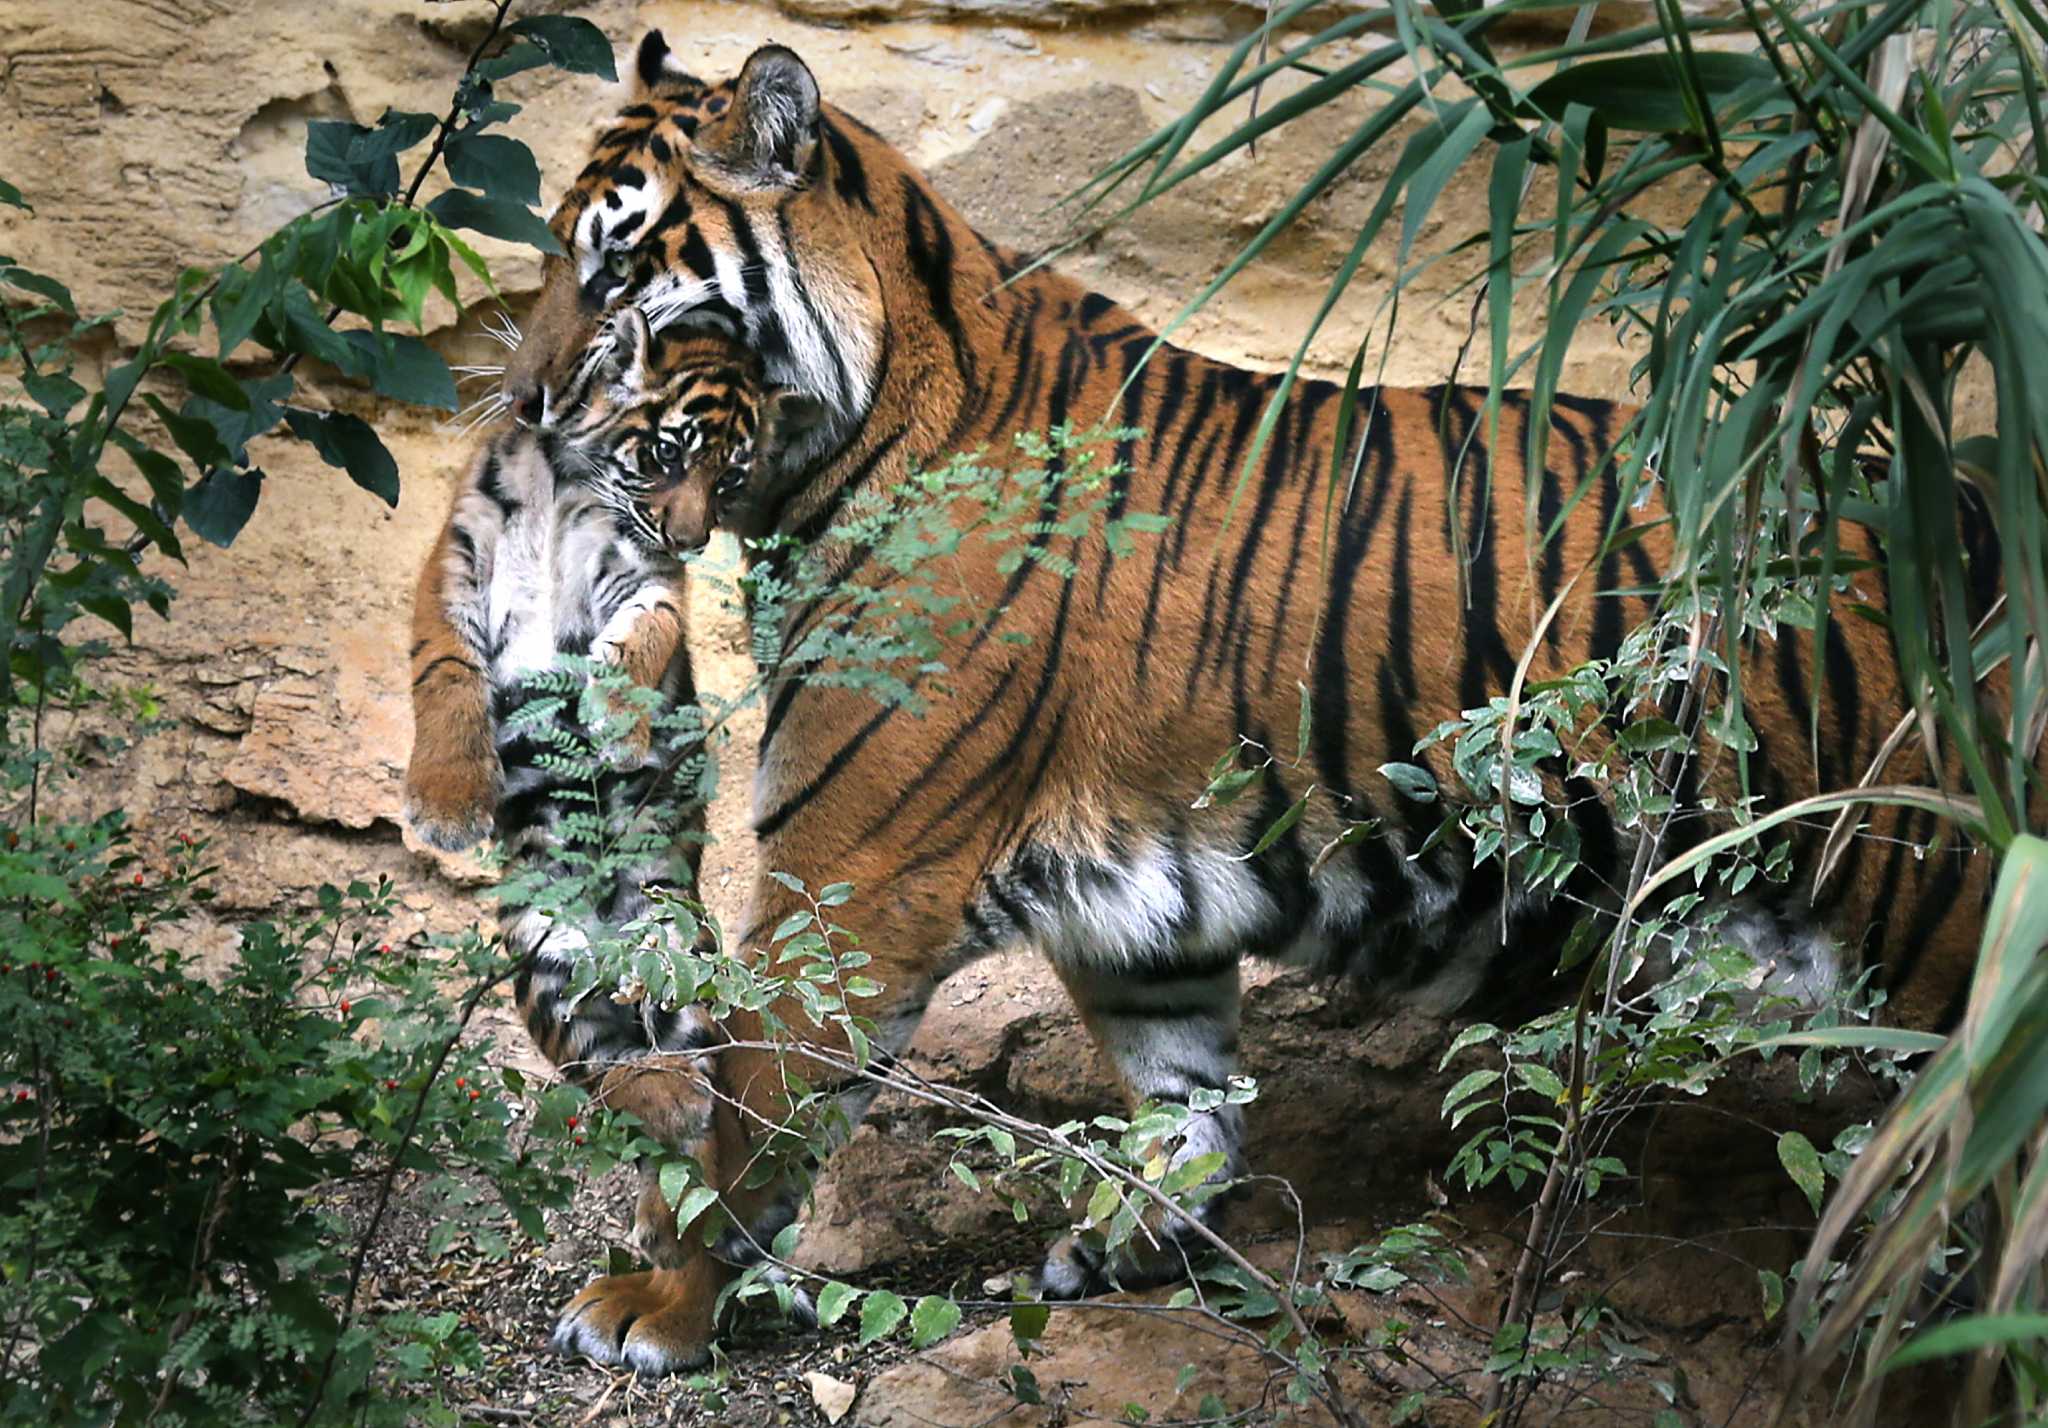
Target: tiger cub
[570,541]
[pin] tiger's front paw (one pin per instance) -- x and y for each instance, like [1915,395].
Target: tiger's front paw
[451,803]
[655,1322]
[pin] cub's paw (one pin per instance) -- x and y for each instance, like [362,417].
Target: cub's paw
[451,806]
[655,1322]
[1076,1267]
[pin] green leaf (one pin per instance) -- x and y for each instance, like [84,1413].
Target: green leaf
[1540,1079]
[880,1313]
[41,286]
[11,196]
[1802,1163]
[348,442]
[261,410]
[932,1320]
[1027,1322]
[498,217]
[833,1301]
[166,480]
[363,161]
[1468,1086]
[402,367]
[571,43]
[1281,824]
[219,505]
[500,166]
[305,330]
[208,379]
[1192,1172]
[1962,1336]
[694,1203]
[1411,781]
[195,435]
[516,59]
[1472,1035]
[1646,93]
[54,392]
[241,300]
[145,520]
[1773,1286]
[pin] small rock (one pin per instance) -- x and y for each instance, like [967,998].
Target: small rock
[937,52]
[984,119]
[833,1396]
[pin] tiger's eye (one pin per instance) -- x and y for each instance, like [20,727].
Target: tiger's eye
[667,451]
[620,263]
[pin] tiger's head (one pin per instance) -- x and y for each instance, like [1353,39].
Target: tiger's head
[672,428]
[715,207]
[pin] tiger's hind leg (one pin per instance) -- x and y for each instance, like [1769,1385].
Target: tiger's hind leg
[1171,1030]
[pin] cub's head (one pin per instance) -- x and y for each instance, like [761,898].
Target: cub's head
[743,208]
[675,430]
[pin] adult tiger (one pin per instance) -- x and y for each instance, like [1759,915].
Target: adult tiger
[1045,795]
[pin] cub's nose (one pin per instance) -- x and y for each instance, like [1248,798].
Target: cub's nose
[526,397]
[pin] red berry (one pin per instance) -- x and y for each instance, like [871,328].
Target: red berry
[391,1085]
[69,846]
[571,1123]
[332,968]
[21,1097]
[115,940]
[474,1095]
[460,1082]
[579,1140]
[13,839]
[384,947]
[344,1008]
[50,974]
[5,968]
[138,880]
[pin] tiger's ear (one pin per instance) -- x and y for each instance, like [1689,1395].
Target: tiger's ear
[771,129]
[628,365]
[654,66]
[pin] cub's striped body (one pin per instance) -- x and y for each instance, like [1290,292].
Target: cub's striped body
[567,540]
[1046,794]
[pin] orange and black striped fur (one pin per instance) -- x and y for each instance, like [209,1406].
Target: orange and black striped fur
[1044,795]
[568,540]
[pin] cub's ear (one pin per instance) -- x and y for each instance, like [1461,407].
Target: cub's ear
[655,65]
[771,130]
[786,414]
[627,364]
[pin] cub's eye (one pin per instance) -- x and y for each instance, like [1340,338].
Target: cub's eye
[668,451]
[731,481]
[619,262]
